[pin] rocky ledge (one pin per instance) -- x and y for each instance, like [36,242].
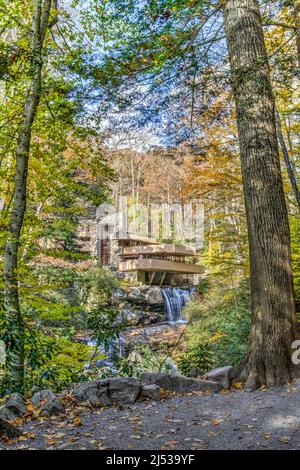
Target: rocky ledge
[123,390]
[140,305]
[117,391]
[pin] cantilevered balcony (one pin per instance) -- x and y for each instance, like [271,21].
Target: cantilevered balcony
[164,249]
[160,265]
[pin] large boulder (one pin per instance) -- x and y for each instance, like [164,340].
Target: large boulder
[117,390]
[150,296]
[119,295]
[13,407]
[134,317]
[94,392]
[222,375]
[180,384]
[48,402]
[151,391]
[123,389]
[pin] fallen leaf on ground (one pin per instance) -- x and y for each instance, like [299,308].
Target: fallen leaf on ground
[77,421]
[285,439]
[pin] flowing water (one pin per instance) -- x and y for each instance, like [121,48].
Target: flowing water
[175,299]
[113,349]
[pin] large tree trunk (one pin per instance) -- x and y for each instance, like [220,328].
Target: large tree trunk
[274,327]
[15,324]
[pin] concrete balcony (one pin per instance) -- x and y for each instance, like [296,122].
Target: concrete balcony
[165,249]
[160,265]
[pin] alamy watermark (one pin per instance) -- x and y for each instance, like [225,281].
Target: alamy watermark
[181,222]
[2,353]
[296,353]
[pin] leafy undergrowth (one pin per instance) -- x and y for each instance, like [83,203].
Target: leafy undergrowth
[219,328]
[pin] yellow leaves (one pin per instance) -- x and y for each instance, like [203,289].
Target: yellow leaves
[30,408]
[77,421]
[26,435]
[167,393]
[23,44]
[51,441]
[165,37]
[238,385]
[216,337]
[135,418]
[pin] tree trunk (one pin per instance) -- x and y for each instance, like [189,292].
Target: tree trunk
[297,22]
[268,360]
[288,164]
[15,324]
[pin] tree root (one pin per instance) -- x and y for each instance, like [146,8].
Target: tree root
[255,377]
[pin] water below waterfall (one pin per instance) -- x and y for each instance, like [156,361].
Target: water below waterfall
[175,299]
[114,349]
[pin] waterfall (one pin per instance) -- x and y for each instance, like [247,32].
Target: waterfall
[175,299]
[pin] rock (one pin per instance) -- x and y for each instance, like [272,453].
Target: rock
[13,407]
[151,391]
[94,392]
[146,295]
[171,366]
[123,389]
[48,402]
[179,384]
[222,375]
[109,391]
[154,296]
[133,317]
[119,295]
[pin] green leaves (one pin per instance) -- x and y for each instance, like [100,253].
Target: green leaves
[199,357]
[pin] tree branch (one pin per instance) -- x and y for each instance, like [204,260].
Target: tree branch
[282,25]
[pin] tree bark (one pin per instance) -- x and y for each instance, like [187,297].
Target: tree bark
[15,324]
[297,22]
[268,360]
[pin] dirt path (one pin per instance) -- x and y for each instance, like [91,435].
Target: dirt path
[235,420]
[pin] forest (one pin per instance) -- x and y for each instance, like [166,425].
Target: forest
[149,224]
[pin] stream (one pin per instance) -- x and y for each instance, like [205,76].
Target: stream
[174,299]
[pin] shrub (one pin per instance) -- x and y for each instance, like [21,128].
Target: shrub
[197,357]
[222,321]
